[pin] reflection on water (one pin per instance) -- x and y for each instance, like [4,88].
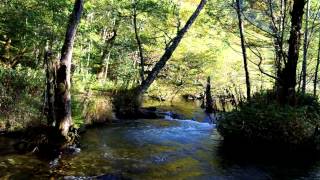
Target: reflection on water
[156,149]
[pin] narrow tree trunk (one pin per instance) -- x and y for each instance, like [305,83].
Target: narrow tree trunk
[315,81]
[108,45]
[88,50]
[299,81]
[137,36]
[305,50]
[286,93]
[62,91]
[169,51]
[7,47]
[106,68]
[244,51]
[209,102]
[279,41]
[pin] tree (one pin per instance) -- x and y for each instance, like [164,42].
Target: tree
[315,81]
[243,47]
[169,50]
[305,49]
[62,91]
[138,39]
[208,101]
[50,87]
[286,92]
[27,26]
[108,45]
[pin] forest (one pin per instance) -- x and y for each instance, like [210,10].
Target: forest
[159,89]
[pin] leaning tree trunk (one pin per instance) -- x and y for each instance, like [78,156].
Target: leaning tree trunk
[305,50]
[62,91]
[244,51]
[287,92]
[315,81]
[169,51]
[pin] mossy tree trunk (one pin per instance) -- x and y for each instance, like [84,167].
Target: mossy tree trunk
[62,91]
[51,82]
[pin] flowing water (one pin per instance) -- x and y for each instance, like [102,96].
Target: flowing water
[155,149]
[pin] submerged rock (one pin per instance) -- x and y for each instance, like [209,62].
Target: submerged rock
[55,162]
[71,150]
[102,177]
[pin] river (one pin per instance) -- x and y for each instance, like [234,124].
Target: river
[156,149]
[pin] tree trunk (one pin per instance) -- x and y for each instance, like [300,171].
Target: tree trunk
[315,81]
[137,36]
[305,50]
[7,47]
[51,82]
[286,92]
[244,51]
[209,102]
[88,54]
[109,43]
[106,67]
[169,51]
[279,39]
[62,91]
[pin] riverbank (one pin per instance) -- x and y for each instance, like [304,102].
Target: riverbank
[262,121]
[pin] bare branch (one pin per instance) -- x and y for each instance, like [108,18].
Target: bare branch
[259,55]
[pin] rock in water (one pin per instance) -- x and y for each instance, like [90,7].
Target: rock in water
[102,177]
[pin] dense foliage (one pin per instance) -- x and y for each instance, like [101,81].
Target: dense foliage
[263,120]
[21,97]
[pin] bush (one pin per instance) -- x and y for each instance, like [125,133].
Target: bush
[263,120]
[21,91]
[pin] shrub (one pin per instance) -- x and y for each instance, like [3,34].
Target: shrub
[21,91]
[263,120]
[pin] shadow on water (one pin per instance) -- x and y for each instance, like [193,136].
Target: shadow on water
[246,162]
